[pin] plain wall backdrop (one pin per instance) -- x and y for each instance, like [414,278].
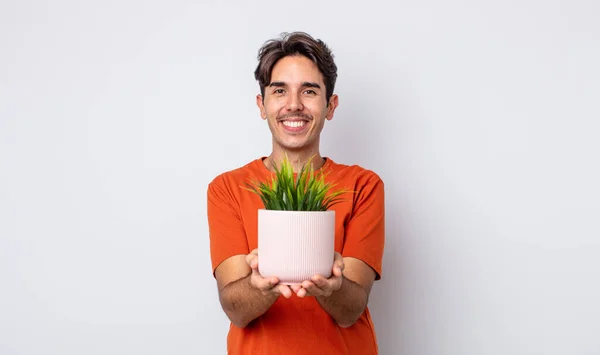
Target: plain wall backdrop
[482,118]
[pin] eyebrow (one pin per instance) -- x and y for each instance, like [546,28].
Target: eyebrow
[305,84]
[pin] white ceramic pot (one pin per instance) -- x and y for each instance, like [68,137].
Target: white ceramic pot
[295,245]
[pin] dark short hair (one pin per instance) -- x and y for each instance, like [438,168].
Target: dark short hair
[296,43]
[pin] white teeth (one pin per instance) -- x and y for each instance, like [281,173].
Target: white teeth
[294,124]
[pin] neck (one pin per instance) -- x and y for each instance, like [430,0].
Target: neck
[296,159]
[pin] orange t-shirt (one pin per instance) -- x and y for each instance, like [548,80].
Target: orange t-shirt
[299,325]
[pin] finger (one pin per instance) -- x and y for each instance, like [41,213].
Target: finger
[312,289]
[337,270]
[252,254]
[252,259]
[296,288]
[263,283]
[339,261]
[320,281]
[254,263]
[285,291]
[301,293]
[306,284]
[339,266]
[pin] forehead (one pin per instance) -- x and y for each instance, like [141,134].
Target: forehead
[296,69]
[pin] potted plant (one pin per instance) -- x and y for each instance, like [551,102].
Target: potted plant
[296,228]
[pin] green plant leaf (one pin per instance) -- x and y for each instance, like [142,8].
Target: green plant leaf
[307,191]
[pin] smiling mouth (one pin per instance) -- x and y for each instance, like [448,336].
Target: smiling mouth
[294,124]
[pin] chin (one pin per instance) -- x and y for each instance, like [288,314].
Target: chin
[294,145]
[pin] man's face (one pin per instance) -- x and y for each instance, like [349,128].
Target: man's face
[295,106]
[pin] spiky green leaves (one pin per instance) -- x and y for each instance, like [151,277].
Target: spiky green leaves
[307,192]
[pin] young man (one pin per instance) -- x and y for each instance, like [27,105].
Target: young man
[297,75]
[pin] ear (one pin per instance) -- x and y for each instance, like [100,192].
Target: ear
[261,106]
[333,104]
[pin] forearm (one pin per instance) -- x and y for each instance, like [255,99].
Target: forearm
[243,303]
[345,305]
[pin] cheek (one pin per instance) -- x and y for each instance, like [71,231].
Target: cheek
[273,110]
[317,108]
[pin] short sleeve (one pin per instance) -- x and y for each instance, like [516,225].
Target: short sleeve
[226,230]
[365,229]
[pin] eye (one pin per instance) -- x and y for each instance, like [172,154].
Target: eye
[278,91]
[310,92]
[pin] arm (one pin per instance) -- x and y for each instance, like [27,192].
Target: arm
[345,295]
[347,303]
[244,294]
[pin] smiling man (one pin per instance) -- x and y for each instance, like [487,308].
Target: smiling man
[296,75]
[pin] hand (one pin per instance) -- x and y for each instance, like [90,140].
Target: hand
[269,285]
[320,286]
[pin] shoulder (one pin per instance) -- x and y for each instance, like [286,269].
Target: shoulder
[354,174]
[238,175]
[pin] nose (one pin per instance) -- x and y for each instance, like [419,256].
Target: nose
[295,103]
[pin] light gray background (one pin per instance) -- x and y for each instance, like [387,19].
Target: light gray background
[480,116]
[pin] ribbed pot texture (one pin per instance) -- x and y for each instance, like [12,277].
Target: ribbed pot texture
[295,245]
